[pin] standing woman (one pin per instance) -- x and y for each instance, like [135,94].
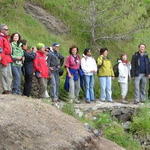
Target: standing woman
[17,55]
[72,65]
[124,68]
[89,67]
[105,74]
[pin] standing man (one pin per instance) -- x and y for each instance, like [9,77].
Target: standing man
[5,59]
[55,61]
[140,70]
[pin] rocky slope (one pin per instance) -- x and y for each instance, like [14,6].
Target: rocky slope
[29,124]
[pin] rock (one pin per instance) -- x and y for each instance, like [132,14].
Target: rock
[52,23]
[30,124]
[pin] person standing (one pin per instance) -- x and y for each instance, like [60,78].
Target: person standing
[72,83]
[18,57]
[41,69]
[28,69]
[105,74]
[124,68]
[5,59]
[55,61]
[89,67]
[140,70]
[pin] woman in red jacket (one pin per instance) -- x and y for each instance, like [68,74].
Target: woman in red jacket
[41,69]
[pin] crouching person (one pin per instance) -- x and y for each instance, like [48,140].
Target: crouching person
[41,70]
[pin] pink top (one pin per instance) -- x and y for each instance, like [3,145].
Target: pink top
[73,62]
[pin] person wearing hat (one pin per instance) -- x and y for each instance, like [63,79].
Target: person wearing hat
[55,61]
[5,59]
[41,70]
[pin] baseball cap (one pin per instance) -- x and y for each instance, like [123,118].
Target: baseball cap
[39,46]
[55,44]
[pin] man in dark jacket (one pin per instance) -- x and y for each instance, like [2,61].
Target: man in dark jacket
[55,62]
[140,71]
[5,59]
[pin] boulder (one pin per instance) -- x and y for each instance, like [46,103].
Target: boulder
[30,124]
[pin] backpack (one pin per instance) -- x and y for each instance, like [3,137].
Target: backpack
[116,70]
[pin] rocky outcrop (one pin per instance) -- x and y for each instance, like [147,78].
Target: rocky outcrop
[52,23]
[29,124]
[122,112]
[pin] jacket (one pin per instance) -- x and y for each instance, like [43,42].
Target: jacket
[17,51]
[40,65]
[28,62]
[124,71]
[135,64]
[88,64]
[55,60]
[5,52]
[106,69]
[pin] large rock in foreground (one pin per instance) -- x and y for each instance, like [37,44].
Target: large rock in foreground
[27,124]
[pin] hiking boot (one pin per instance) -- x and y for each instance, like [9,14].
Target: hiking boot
[77,101]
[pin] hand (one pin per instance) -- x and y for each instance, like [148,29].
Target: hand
[69,75]
[149,76]
[51,68]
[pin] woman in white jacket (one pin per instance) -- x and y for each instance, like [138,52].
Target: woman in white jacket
[124,68]
[89,67]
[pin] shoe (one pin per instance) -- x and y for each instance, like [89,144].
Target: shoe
[102,100]
[124,102]
[142,101]
[77,101]
[111,101]
[87,101]
[136,102]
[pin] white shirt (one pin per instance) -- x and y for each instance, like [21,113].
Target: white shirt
[124,72]
[88,64]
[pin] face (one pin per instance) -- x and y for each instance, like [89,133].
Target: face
[25,47]
[124,57]
[142,48]
[46,51]
[56,48]
[5,30]
[89,53]
[105,53]
[74,51]
[16,37]
[42,49]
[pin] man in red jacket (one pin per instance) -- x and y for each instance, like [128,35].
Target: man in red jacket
[5,60]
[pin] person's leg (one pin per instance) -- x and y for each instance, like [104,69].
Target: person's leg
[137,88]
[124,89]
[19,80]
[102,88]
[27,84]
[41,82]
[108,89]
[92,97]
[87,79]
[77,89]
[4,77]
[143,88]
[9,77]
[71,89]
[57,85]
[53,86]
[15,80]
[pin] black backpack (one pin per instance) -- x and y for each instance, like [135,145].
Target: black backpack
[116,70]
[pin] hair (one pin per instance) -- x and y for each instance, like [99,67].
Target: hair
[72,47]
[122,56]
[2,26]
[86,50]
[141,44]
[12,36]
[102,50]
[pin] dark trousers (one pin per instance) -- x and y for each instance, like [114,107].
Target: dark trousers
[27,84]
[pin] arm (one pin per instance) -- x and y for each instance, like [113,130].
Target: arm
[133,64]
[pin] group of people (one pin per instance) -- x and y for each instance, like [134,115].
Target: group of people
[47,64]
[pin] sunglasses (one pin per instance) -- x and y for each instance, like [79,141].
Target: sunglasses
[6,29]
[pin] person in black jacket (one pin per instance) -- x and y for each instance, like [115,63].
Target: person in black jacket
[29,55]
[140,70]
[55,61]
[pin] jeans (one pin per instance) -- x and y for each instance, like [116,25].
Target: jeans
[54,85]
[27,84]
[74,88]
[89,87]
[106,92]
[140,87]
[6,77]
[16,72]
